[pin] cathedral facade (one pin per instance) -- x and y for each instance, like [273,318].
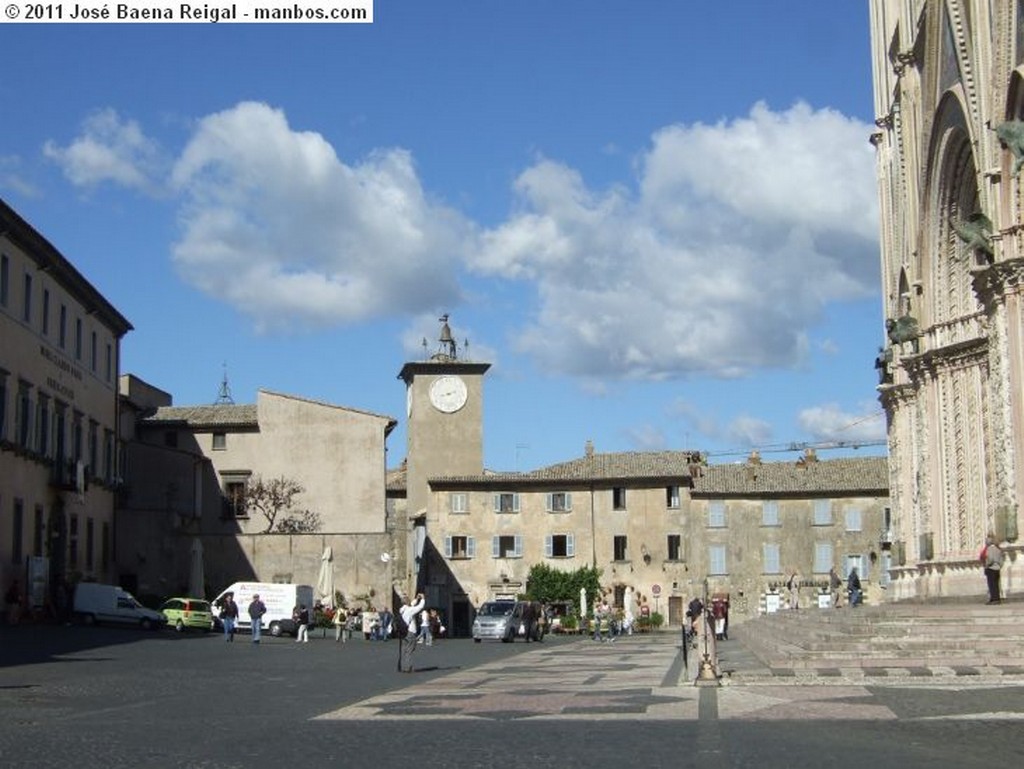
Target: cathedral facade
[949,105]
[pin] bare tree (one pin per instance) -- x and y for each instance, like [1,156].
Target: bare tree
[274,500]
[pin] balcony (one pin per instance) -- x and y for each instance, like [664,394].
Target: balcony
[68,475]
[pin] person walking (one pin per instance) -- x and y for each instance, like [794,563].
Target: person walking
[407,645]
[340,625]
[228,616]
[301,616]
[854,589]
[992,560]
[256,611]
[834,583]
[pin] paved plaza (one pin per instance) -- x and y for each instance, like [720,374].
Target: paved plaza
[75,696]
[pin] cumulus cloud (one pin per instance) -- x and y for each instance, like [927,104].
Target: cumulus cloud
[829,422]
[746,430]
[717,264]
[277,225]
[109,149]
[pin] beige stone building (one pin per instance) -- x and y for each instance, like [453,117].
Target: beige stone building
[186,467]
[949,101]
[59,463]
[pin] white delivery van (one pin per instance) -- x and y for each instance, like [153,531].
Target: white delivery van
[280,600]
[109,603]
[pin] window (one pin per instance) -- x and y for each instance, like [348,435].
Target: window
[26,314]
[234,497]
[220,441]
[92,352]
[619,547]
[716,560]
[858,562]
[619,498]
[5,277]
[17,527]
[458,503]
[559,502]
[823,560]
[60,411]
[459,546]
[108,455]
[46,312]
[675,547]
[559,546]
[109,363]
[43,425]
[77,436]
[62,326]
[78,338]
[3,404]
[37,533]
[105,546]
[89,543]
[770,512]
[73,541]
[507,546]
[716,514]
[853,519]
[94,443]
[506,502]
[672,497]
[770,556]
[822,513]
[24,415]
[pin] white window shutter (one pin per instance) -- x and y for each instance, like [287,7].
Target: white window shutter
[570,546]
[549,502]
[448,547]
[547,546]
[568,501]
[470,547]
[495,546]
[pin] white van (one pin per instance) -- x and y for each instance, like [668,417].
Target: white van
[109,603]
[280,600]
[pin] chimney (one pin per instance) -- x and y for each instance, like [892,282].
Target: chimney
[810,455]
[589,448]
[754,458]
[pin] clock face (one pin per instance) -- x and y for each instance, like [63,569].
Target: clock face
[448,394]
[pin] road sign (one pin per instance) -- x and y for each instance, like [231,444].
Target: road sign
[655,589]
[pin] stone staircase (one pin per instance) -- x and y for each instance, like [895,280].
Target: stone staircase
[957,637]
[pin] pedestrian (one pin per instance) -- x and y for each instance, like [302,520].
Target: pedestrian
[407,646]
[853,588]
[386,618]
[12,599]
[340,625]
[256,611]
[793,585]
[834,583]
[530,620]
[228,615]
[62,601]
[301,616]
[426,635]
[992,560]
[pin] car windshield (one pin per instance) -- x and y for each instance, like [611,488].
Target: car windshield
[496,609]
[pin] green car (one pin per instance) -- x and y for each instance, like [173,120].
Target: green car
[184,613]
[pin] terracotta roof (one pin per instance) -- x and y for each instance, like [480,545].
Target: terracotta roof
[225,415]
[854,474]
[619,466]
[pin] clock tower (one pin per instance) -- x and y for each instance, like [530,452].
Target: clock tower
[444,417]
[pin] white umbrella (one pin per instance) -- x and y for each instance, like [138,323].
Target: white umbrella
[196,573]
[325,582]
[583,602]
[627,602]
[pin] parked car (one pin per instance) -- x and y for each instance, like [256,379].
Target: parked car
[493,620]
[182,613]
[95,603]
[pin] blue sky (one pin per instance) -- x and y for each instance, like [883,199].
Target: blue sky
[658,220]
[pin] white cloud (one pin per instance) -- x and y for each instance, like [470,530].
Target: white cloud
[276,225]
[718,264]
[646,438]
[12,179]
[109,149]
[749,431]
[829,422]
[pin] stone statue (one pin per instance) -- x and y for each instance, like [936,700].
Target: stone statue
[976,232]
[903,329]
[1011,137]
[883,363]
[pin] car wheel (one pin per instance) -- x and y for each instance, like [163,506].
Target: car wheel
[476,640]
[179,626]
[275,629]
[88,619]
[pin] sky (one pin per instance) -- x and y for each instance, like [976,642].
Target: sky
[657,221]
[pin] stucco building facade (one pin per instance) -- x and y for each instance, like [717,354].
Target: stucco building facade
[949,102]
[59,460]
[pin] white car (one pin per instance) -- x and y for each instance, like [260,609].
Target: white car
[493,621]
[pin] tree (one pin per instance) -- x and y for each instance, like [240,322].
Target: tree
[274,500]
[553,585]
